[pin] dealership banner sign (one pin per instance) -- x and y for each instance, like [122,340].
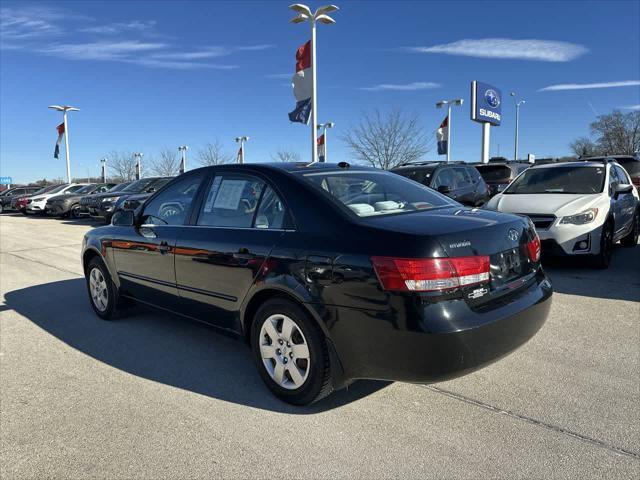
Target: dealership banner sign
[6,181]
[486,103]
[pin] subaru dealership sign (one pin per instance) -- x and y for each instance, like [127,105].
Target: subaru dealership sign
[486,103]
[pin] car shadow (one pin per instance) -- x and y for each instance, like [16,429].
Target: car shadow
[578,276]
[162,347]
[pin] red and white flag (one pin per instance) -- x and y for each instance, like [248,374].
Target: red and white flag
[56,152]
[239,156]
[321,148]
[302,85]
[442,135]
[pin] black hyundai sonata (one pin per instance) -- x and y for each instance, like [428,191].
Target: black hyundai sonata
[331,273]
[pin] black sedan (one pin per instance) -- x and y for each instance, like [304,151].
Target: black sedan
[330,272]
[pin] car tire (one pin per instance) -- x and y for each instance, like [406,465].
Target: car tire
[631,239]
[603,259]
[74,211]
[291,352]
[1,208]
[103,294]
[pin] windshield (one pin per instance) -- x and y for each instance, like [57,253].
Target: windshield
[119,187]
[161,182]
[57,189]
[376,193]
[139,185]
[86,189]
[569,180]
[494,173]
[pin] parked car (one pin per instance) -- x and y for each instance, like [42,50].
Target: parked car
[456,180]
[499,175]
[102,206]
[331,272]
[68,205]
[8,195]
[20,203]
[578,208]
[37,204]
[88,200]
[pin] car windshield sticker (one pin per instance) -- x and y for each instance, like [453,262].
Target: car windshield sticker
[208,206]
[229,195]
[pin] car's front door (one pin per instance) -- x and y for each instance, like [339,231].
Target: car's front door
[626,201]
[144,254]
[240,220]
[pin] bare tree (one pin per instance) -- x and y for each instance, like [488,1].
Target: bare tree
[167,164]
[584,147]
[123,165]
[615,133]
[387,140]
[213,154]
[618,133]
[286,156]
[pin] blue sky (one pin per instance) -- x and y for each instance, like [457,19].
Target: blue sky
[152,74]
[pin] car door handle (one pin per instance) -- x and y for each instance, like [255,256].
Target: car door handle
[164,248]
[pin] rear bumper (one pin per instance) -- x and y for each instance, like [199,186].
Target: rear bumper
[437,341]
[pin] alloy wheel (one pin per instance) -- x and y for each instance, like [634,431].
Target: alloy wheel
[285,351]
[98,289]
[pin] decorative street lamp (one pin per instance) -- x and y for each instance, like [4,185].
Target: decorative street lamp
[138,156]
[183,161]
[241,140]
[304,15]
[324,127]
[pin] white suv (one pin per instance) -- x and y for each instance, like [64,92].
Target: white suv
[38,203]
[578,208]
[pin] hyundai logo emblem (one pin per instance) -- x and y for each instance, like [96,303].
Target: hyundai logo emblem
[492,98]
[513,235]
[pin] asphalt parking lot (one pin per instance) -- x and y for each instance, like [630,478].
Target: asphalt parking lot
[155,396]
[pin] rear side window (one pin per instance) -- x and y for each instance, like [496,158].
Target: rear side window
[172,205]
[232,201]
[462,177]
[445,177]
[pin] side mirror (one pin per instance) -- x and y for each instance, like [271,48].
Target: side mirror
[123,218]
[624,188]
[444,189]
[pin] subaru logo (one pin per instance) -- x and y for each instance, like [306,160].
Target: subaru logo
[513,235]
[492,98]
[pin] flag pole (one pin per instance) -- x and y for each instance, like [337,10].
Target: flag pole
[314,98]
[66,144]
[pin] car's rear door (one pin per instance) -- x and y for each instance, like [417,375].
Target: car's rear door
[626,201]
[464,186]
[240,219]
[144,255]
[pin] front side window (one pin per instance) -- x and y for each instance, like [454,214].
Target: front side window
[172,205]
[462,177]
[372,193]
[622,175]
[445,178]
[564,180]
[232,201]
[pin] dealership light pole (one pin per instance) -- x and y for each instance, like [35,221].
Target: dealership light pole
[449,104]
[64,109]
[183,161]
[241,141]
[138,156]
[324,127]
[304,15]
[103,169]
[518,103]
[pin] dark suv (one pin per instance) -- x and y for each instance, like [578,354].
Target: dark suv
[499,175]
[10,194]
[458,180]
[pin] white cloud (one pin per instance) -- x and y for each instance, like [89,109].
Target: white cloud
[403,87]
[114,28]
[255,48]
[585,86]
[27,23]
[506,48]
[100,50]
[208,52]
[635,108]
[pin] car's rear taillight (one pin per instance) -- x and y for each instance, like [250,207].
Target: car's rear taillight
[430,274]
[533,248]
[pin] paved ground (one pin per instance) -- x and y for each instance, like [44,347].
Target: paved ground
[154,396]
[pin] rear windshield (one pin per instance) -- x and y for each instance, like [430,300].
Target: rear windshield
[569,180]
[494,173]
[631,165]
[371,193]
